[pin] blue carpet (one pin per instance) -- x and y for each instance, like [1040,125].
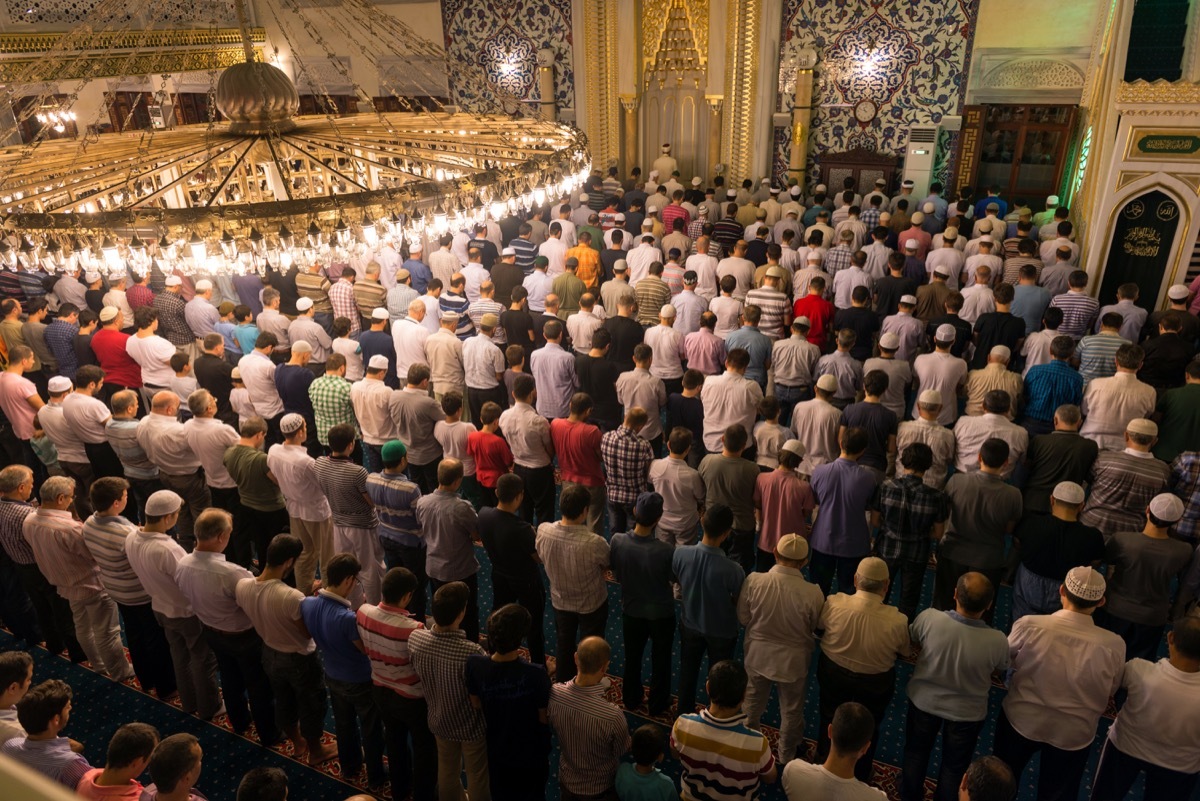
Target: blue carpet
[101,706]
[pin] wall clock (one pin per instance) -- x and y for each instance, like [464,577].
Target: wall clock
[865,111]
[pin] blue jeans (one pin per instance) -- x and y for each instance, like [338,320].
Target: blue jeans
[692,647]
[958,745]
[788,397]
[359,729]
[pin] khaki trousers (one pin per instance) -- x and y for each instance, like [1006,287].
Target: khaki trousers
[98,629]
[452,756]
[317,537]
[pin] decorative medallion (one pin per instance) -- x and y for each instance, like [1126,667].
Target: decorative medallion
[509,59]
[873,60]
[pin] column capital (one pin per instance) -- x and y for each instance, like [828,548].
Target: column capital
[714,103]
[629,102]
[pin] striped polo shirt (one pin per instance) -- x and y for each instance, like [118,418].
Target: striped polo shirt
[105,540]
[592,737]
[384,630]
[723,759]
[1097,354]
[1079,312]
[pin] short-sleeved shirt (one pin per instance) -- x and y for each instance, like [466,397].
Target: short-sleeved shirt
[509,542]
[908,509]
[709,582]
[721,751]
[642,565]
[880,424]
[803,781]
[274,609]
[954,672]
[334,627]
[1160,721]
[1139,580]
[844,491]
[448,524]
[981,507]
[248,467]
[1051,546]
[344,484]
[785,502]
[730,480]
[512,695]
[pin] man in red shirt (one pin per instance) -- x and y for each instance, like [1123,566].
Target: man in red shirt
[577,443]
[493,458]
[108,343]
[818,311]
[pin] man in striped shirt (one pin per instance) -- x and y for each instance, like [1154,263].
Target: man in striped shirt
[592,733]
[1079,308]
[439,657]
[384,630]
[43,713]
[722,758]
[104,534]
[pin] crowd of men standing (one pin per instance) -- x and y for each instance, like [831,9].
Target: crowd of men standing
[736,400]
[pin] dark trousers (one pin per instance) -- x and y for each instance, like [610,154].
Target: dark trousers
[16,608]
[620,518]
[359,729]
[412,558]
[1141,640]
[532,596]
[405,720]
[1118,771]
[839,685]
[425,476]
[239,549]
[788,397]
[262,527]
[911,575]
[104,460]
[1036,427]
[661,634]
[140,490]
[470,623]
[1061,771]
[946,577]
[824,566]
[148,649]
[372,457]
[298,682]
[742,548]
[53,613]
[477,397]
[243,679]
[570,628]
[958,746]
[539,493]
[692,647]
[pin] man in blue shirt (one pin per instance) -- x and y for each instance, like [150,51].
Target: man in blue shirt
[709,582]
[418,271]
[1050,385]
[332,624]
[754,342]
[395,499]
[840,537]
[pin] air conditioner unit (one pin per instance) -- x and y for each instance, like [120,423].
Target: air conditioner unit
[162,115]
[920,151]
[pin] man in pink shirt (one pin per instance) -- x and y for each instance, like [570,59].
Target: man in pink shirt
[129,752]
[20,401]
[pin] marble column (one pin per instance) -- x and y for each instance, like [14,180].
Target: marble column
[629,133]
[801,119]
[715,103]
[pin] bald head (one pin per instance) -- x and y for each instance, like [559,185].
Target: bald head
[416,310]
[165,402]
[973,594]
[592,656]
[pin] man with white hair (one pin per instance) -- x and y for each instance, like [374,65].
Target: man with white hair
[408,338]
[780,611]
[305,327]
[862,639]
[164,439]
[202,317]
[995,375]
[56,539]
[1052,706]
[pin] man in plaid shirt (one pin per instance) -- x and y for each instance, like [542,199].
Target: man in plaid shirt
[626,457]
[869,216]
[1185,482]
[330,397]
[911,515]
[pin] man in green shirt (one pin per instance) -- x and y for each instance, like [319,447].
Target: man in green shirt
[1179,417]
[330,397]
[265,513]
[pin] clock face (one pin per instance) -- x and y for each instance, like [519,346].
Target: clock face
[864,111]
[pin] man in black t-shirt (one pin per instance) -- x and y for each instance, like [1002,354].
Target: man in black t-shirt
[861,320]
[1000,327]
[598,378]
[892,287]
[509,542]
[962,328]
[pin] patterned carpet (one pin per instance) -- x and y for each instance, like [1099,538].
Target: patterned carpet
[100,706]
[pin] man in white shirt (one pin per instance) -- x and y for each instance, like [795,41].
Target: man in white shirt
[943,372]
[640,258]
[154,557]
[741,268]
[816,423]
[705,267]
[152,352]
[208,438]
[554,250]
[309,515]
[208,581]
[258,374]
[370,399]
[164,439]
[483,366]
[729,398]
[666,343]
[851,733]
[408,338]
[971,431]
[1052,706]
[1158,728]
[780,611]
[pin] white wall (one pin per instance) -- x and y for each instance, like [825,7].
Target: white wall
[1037,24]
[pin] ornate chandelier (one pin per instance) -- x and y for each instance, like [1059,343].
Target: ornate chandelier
[226,197]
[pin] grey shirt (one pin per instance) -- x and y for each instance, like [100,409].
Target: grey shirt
[415,414]
[982,507]
[954,672]
[448,526]
[1140,573]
